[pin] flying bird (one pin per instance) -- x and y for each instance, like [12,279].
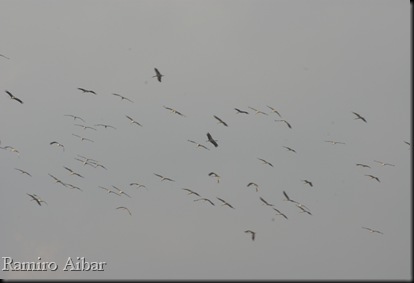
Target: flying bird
[241,111]
[384,163]
[124,208]
[210,139]
[122,97]
[1,55]
[73,172]
[265,162]
[256,186]
[14,97]
[86,160]
[372,230]
[359,117]
[205,199]
[57,144]
[198,144]
[220,121]
[138,185]
[86,90]
[37,199]
[23,172]
[265,202]
[295,202]
[287,197]
[133,121]
[253,234]
[158,75]
[308,182]
[363,165]
[110,191]
[74,117]
[121,192]
[289,149]
[11,149]
[225,202]
[286,122]
[302,207]
[274,110]
[73,187]
[279,213]
[105,126]
[191,192]
[83,138]
[212,174]
[258,112]
[174,111]
[57,180]
[373,177]
[85,127]
[164,178]
[335,142]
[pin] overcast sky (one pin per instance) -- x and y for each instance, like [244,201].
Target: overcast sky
[315,62]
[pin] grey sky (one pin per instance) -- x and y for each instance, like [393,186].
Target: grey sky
[315,62]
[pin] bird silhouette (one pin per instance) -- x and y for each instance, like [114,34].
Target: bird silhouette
[164,178]
[86,90]
[372,230]
[253,184]
[359,117]
[265,162]
[210,139]
[274,110]
[212,174]
[37,199]
[373,177]
[174,111]
[204,199]
[383,163]
[258,111]
[198,144]
[241,111]
[158,75]
[191,192]
[122,97]
[23,172]
[308,182]
[133,121]
[58,144]
[363,165]
[220,121]
[74,117]
[252,233]
[279,213]
[13,97]
[289,149]
[286,122]
[124,208]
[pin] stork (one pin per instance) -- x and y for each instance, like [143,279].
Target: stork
[133,121]
[359,117]
[210,139]
[124,208]
[14,97]
[164,178]
[86,90]
[158,75]
[220,121]
[252,233]
[122,97]
[265,162]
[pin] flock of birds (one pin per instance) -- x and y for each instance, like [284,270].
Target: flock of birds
[209,138]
